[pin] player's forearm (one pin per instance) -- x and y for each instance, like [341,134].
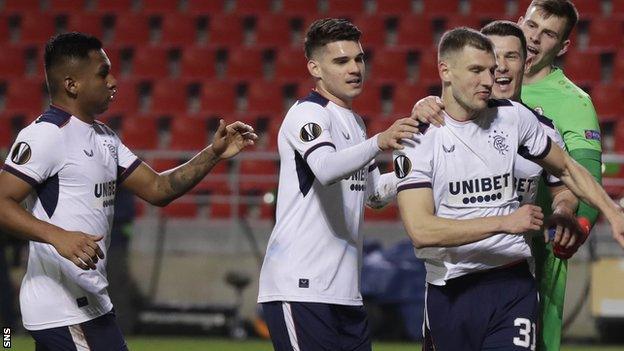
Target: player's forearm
[433,231]
[583,185]
[176,182]
[15,220]
[384,190]
[565,202]
[594,167]
[330,166]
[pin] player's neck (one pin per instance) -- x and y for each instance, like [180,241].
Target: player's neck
[333,98]
[455,110]
[74,110]
[534,77]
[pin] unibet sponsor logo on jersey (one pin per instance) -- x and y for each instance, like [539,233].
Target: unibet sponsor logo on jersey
[524,187]
[310,132]
[357,180]
[480,190]
[106,192]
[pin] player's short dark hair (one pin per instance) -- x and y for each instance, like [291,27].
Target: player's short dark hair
[559,8]
[66,46]
[506,29]
[329,30]
[456,39]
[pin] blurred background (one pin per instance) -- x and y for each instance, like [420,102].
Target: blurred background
[192,268]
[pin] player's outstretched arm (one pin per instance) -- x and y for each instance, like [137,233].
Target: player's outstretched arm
[564,205]
[427,230]
[80,248]
[161,188]
[583,185]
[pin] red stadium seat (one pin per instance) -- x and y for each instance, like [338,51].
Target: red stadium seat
[127,97]
[290,63]
[114,6]
[245,63]
[131,29]
[188,133]
[225,30]
[11,6]
[169,96]
[91,23]
[617,8]
[218,97]
[203,7]
[369,101]
[67,6]
[618,67]
[198,63]
[265,97]
[583,68]
[454,21]
[394,7]
[139,133]
[484,8]
[606,34]
[389,65]
[299,7]
[440,8]
[253,7]
[14,64]
[258,167]
[341,7]
[26,95]
[160,6]
[150,62]
[388,213]
[588,8]
[178,29]
[415,32]
[373,29]
[36,28]
[181,208]
[4,29]
[404,97]
[607,99]
[273,30]
[428,68]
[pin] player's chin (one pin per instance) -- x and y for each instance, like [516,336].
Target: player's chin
[502,93]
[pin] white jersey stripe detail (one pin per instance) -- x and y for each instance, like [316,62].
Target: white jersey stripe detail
[79,338]
[290,326]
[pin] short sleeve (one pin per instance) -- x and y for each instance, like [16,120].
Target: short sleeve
[533,143]
[37,154]
[307,127]
[413,166]
[579,128]
[127,162]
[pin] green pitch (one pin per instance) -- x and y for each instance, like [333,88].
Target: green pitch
[24,343]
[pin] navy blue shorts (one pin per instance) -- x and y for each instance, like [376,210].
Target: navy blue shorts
[308,326]
[491,310]
[99,334]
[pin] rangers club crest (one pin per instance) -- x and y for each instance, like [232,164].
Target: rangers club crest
[310,132]
[402,166]
[498,140]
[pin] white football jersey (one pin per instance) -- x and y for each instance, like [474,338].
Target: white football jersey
[527,173]
[314,252]
[74,168]
[470,168]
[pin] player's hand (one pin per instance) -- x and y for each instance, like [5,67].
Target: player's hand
[567,233]
[231,139]
[403,128]
[617,227]
[524,219]
[80,248]
[429,110]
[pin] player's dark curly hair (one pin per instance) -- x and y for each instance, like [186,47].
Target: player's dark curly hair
[559,8]
[328,30]
[456,39]
[506,29]
[72,45]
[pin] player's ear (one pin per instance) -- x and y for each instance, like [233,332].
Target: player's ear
[520,20]
[564,47]
[444,70]
[314,69]
[70,85]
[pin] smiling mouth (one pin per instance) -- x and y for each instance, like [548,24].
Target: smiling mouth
[503,81]
[355,81]
[532,50]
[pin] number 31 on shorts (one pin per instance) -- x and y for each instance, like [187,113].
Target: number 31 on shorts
[527,336]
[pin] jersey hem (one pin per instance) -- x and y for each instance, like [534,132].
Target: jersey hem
[317,299]
[68,322]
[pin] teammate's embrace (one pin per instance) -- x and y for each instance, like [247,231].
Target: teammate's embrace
[310,278]
[71,165]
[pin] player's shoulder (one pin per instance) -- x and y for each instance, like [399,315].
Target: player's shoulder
[310,108]
[569,93]
[102,129]
[48,125]
[544,121]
